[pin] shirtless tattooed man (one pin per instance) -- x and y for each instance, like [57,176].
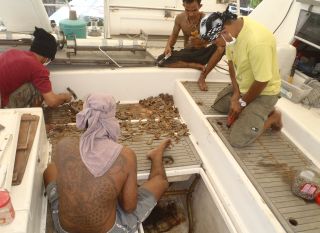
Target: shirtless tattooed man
[92,186]
[197,53]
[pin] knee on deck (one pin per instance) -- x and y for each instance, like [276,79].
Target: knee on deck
[244,134]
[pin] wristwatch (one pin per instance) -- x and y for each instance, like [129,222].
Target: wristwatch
[242,103]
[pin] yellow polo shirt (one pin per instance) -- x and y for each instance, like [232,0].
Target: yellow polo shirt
[254,57]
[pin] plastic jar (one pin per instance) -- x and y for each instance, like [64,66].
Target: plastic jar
[6,209]
[306,184]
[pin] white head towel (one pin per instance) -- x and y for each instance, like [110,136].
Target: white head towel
[98,144]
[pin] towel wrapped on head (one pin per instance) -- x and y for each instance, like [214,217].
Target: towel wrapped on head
[98,144]
[211,25]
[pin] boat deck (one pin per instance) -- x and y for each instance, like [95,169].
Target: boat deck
[205,99]
[182,154]
[269,163]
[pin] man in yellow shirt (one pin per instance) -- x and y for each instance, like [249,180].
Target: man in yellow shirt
[254,72]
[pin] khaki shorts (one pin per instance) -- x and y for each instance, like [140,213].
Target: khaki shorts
[251,121]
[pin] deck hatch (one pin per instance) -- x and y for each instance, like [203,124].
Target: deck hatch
[270,163]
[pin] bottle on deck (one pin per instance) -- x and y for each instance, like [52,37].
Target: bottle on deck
[306,184]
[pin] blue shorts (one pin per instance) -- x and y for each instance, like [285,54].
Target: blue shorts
[125,222]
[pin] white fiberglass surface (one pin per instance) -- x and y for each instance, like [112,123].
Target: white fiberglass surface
[301,125]
[231,184]
[125,84]
[241,201]
[27,14]
[133,84]
[262,12]
[10,120]
[283,23]
[27,197]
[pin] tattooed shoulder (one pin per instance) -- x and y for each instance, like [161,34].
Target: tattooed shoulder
[120,165]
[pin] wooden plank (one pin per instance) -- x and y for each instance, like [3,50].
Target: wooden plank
[27,132]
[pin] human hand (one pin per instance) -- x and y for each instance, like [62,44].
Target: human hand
[230,120]
[235,109]
[167,50]
[67,97]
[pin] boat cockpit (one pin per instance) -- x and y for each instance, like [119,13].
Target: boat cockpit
[216,187]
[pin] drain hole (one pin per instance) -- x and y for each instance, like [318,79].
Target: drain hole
[168,160]
[219,123]
[293,222]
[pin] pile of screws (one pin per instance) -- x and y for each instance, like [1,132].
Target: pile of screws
[57,132]
[64,114]
[155,116]
[161,119]
[60,122]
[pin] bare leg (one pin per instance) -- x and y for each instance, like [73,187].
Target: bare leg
[157,182]
[274,121]
[202,82]
[213,61]
[182,64]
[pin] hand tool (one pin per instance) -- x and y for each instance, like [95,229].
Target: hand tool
[72,93]
[163,59]
[230,120]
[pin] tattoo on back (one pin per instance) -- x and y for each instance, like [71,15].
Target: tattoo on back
[85,202]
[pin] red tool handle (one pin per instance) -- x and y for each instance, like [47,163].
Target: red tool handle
[230,120]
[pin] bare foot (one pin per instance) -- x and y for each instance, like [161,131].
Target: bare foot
[158,151]
[202,84]
[275,119]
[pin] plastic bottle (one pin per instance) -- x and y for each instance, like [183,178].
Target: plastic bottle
[306,184]
[6,209]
